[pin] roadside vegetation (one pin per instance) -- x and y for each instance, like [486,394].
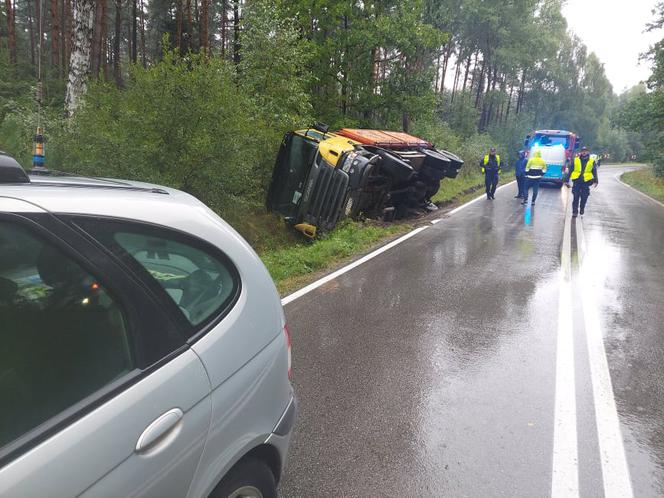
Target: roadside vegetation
[647,182]
[199,98]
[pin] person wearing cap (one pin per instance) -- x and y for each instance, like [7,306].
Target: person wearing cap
[491,168]
[583,176]
[520,172]
[535,169]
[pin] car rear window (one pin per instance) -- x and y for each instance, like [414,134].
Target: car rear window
[193,274]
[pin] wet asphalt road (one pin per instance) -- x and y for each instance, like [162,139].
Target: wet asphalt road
[431,369]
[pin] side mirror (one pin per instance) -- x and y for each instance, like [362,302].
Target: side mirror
[322,127]
[577,144]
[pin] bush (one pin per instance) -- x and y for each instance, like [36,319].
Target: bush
[182,123]
[658,165]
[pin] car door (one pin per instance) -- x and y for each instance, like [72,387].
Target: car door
[101,395]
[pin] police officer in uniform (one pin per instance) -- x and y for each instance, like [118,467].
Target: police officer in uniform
[520,173]
[491,169]
[583,176]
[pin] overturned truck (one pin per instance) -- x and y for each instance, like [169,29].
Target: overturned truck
[321,177]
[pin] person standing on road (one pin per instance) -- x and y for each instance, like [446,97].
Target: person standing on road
[491,169]
[535,169]
[583,176]
[520,172]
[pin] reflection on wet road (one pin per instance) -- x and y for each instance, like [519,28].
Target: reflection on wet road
[430,370]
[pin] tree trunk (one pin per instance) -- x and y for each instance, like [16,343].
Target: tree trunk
[55,32]
[480,85]
[40,26]
[67,30]
[79,64]
[224,26]
[205,36]
[189,36]
[446,61]
[134,31]
[465,76]
[117,69]
[31,32]
[143,55]
[11,31]
[65,17]
[519,101]
[236,31]
[178,31]
[509,103]
[457,74]
[97,42]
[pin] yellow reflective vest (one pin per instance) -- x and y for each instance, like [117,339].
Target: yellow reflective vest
[587,172]
[486,161]
[536,166]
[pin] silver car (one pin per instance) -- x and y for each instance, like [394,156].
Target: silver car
[144,348]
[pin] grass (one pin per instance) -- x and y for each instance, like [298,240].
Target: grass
[645,180]
[293,262]
[294,266]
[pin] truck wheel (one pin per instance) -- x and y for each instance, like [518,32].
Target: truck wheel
[250,478]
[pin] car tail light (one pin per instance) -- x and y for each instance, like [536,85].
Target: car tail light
[290,355]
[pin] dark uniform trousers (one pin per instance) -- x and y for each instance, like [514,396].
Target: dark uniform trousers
[490,181]
[521,184]
[581,191]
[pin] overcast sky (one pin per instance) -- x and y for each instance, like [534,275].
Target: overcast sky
[614,30]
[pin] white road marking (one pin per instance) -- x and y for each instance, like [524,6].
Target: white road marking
[646,196]
[476,199]
[615,472]
[565,469]
[305,290]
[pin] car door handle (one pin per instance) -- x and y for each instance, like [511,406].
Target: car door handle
[158,429]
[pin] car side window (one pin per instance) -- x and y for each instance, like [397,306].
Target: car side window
[63,335]
[199,280]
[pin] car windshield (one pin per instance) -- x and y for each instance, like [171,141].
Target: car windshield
[549,140]
[293,166]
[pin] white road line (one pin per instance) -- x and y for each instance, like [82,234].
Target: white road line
[305,290]
[617,177]
[615,472]
[476,199]
[565,469]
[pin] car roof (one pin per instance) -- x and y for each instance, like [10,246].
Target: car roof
[124,199]
[554,132]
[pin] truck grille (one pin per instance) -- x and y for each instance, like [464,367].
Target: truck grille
[327,197]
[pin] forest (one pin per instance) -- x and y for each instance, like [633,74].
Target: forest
[197,94]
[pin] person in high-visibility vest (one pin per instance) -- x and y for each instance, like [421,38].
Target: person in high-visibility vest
[491,168]
[583,175]
[535,169]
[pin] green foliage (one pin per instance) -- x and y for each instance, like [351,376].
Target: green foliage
[646,181]
[287,264]
[181,122]
[274,65]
